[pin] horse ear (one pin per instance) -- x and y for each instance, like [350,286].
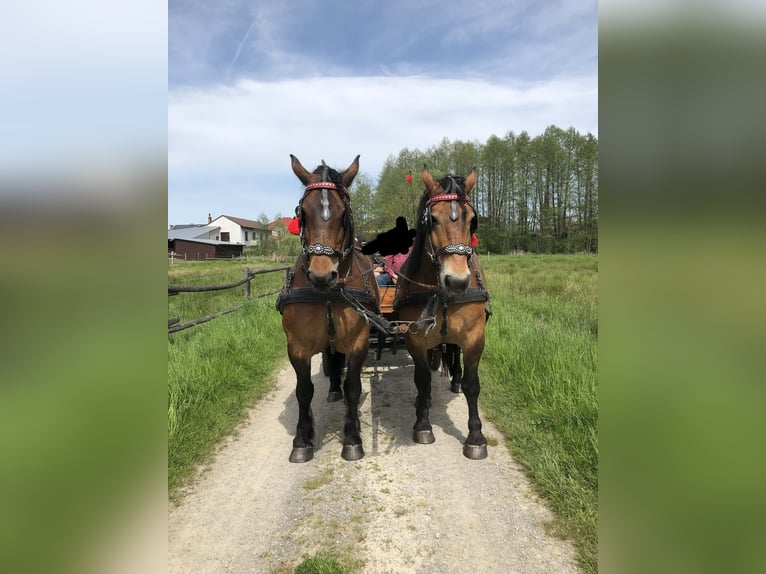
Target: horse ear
[350,172]
[470,180]
[305,176]
[431,184]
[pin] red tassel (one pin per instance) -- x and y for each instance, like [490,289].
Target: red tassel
[474,240]
[409,177]
[294,227]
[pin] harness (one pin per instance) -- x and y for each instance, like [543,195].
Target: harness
[348,223]
[362,298]
[453,193]
[430,299]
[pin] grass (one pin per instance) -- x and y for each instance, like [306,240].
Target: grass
[217,369]
[319,481]
[189,306]
[538,376]
[323,563]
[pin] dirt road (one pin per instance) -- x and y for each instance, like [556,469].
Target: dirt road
[403,508]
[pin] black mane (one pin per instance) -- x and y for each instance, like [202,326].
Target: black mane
[332,175]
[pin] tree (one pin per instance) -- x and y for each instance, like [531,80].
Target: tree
[361,194]
[534,194]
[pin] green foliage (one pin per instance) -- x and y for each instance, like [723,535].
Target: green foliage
[539,381]
[535,195]
[322,563]
[361,193]
[214,374]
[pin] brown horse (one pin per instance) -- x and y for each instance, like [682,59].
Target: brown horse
[442,291]
[315,302]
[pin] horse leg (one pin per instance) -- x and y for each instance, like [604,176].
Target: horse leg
[455,370]
[422,432]
[352,438]
[303,447]
[336,361]
[475,446]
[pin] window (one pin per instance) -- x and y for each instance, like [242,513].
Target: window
[224,236]
[246,237]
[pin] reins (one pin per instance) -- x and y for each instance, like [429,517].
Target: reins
[400,274]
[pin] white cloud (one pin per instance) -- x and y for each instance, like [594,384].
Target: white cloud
[254,125]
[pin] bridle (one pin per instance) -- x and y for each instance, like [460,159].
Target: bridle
[453,194]
[348,239]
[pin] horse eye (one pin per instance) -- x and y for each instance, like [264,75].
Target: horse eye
[434,221]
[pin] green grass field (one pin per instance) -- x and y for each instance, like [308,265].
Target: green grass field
[538,373]
[538,382]
[217,369]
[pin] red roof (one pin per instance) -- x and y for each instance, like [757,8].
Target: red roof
[283,220]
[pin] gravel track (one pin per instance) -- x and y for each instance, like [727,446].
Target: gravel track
[403,508]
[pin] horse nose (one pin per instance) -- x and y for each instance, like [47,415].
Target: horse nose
[323,282]
[456,285]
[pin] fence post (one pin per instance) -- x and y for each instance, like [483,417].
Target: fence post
[247,283]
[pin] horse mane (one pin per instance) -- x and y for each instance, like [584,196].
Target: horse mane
[332,175]
[450,184]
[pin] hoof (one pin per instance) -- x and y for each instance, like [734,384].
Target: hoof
[302,454]
[352,452]
[475,451]
[334,396]
[455,388]
[423,436]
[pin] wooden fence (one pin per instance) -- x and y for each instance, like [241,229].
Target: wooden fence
[174,323]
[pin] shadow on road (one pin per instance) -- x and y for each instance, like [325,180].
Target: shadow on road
[387,407]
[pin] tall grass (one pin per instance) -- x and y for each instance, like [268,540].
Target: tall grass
[217,369]
[538,378]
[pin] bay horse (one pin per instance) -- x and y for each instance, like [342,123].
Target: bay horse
[442,285]
[316,314]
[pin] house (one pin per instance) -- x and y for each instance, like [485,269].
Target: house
[193,242]
[238,230]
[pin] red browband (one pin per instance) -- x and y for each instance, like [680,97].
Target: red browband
[443,197]
[321,185]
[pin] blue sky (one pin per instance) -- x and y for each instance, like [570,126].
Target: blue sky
[251,82]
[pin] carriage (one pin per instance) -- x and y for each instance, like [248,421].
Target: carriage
[331,304]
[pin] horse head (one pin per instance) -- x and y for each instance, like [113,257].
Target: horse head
[450,221]
[327,229]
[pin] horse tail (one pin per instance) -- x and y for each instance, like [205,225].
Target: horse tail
[450,360]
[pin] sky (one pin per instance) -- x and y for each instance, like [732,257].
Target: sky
[251,82]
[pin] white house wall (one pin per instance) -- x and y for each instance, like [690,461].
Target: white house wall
[237,232]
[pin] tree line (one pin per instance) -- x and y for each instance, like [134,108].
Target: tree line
[534,194]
